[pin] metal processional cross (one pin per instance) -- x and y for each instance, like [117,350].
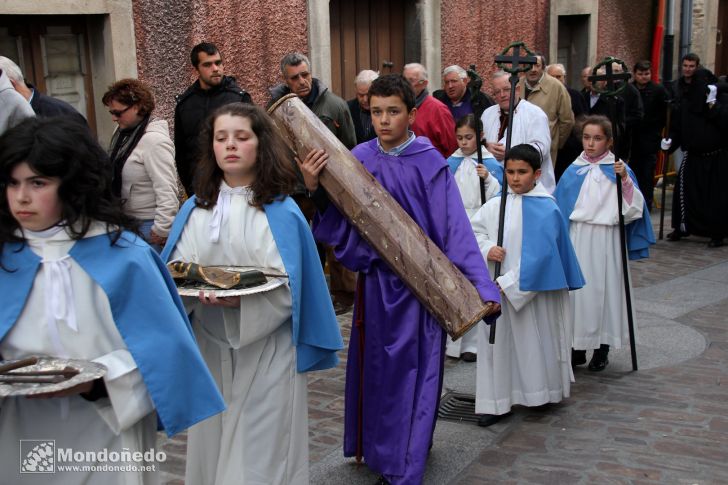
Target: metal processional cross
[610,91]
[514,64]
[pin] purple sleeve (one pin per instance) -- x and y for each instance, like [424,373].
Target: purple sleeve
[333,229]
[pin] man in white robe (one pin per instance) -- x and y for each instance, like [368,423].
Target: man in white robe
[530,125]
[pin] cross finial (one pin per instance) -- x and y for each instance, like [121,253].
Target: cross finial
[517,62]
[611,77]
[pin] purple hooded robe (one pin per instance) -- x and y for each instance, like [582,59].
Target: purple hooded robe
[396,352]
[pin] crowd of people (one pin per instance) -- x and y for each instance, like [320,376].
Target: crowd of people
[85,234]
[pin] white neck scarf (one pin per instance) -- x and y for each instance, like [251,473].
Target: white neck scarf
[221,211]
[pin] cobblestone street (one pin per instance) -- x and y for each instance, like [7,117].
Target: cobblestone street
[666,423]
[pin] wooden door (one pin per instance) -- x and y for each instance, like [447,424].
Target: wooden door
[367,34]
[53,53]
[721,48]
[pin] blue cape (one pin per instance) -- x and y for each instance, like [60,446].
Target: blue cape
[316,333]
[639,233]
[490,163]
[148,313]
[548,260]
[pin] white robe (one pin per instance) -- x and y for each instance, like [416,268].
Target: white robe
[262,437]
[600,310]
[124,420]
[530,362]
[468,183]
[530,125]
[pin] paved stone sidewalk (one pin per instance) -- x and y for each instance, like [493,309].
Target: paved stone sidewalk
[666,423]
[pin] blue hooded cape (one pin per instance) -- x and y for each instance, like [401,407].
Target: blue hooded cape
[316,333]
[490,163]
[639,233]
[148,313]
[548,260]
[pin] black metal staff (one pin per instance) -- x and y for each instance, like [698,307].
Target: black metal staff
[518,64]
[665,159]
[610,92]
[667,82]
[476,82]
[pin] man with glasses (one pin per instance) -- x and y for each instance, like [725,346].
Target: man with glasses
[433,119]
[211,90]
[530,125]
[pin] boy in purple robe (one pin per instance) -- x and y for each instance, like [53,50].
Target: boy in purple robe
[396,351]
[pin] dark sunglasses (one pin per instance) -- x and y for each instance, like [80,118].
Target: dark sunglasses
[119,112]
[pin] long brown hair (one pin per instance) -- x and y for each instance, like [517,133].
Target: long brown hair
[275,176]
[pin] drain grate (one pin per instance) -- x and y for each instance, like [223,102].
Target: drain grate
[455,406]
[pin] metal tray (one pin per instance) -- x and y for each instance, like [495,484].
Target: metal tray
[87,371]
[193,288]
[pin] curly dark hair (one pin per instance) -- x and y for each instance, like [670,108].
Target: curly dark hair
[62,147]
[275,176]
[130,92]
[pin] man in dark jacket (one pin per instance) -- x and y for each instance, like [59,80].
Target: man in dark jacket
[42,105]
[647,133]
[331,109]
[457,97]
[359,106]
[211,90]
[699,126]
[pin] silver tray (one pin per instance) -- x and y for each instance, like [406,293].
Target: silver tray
[87,371]
[273,282]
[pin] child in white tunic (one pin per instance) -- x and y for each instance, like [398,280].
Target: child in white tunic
[69,277]
[249,341]
[587,196]
[529,362]
[468,174]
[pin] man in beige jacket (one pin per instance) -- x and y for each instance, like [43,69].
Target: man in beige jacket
[552,97]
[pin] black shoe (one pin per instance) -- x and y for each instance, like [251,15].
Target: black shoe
[578,357]
[716,243]
[676,235]
[381,481]
[599,359]
[486,420]
[469,356]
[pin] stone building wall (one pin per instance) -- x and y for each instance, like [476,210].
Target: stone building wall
[252,36]
[474,32]
[625,30]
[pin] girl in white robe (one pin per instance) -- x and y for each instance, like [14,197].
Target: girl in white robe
[468,173]
[248,341]
[529,362]
[587,196]
[59,257]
